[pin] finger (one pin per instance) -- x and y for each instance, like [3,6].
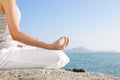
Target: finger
[61,42]
[65,41]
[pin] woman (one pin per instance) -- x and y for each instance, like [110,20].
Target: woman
[37,54]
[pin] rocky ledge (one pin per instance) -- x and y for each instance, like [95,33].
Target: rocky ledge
[43,74]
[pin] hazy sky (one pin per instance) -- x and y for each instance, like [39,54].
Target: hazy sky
[93,24]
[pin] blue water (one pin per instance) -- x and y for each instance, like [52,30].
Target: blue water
[107,63]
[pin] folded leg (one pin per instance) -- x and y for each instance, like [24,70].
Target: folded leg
[33,57]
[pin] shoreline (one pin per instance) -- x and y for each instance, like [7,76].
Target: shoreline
[45,74]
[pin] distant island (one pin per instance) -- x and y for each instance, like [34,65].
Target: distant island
[84,50]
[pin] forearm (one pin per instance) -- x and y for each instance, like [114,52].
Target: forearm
[26,39]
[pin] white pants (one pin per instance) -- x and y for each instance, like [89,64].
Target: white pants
[32,57]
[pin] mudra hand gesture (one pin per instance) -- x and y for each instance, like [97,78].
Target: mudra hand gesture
[58,45]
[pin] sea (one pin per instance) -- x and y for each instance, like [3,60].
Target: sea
[107,63]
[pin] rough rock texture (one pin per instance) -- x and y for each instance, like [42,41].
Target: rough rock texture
[42,74]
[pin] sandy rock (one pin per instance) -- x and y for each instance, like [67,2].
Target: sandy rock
[43,74]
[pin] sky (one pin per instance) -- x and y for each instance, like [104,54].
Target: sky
[93,24]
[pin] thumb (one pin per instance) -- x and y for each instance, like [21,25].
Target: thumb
[60,38]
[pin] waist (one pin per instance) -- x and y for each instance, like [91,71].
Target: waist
[7,43]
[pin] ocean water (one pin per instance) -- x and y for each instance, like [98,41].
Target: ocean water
[107,63]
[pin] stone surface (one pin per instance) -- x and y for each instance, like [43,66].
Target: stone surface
[43,74]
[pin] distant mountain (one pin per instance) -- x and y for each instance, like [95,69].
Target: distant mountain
[84,50]
[78,50]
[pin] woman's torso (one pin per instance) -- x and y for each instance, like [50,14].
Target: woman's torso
[5,37]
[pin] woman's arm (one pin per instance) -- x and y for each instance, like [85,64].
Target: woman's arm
[13,25]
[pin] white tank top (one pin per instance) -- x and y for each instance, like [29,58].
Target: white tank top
[5,37]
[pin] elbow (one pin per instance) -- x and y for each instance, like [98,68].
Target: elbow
[15,35]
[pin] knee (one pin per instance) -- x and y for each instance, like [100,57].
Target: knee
[63,58]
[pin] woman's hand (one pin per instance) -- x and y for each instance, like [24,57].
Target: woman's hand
[58,45]
[21,44]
